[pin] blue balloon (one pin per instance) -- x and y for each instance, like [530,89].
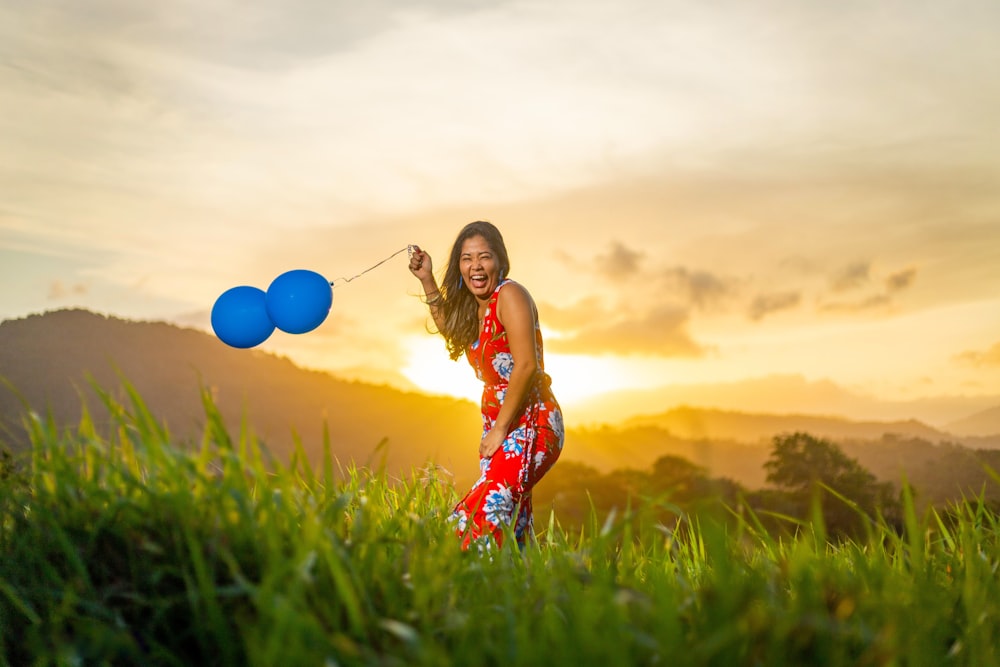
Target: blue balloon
[239,317]
[298,301]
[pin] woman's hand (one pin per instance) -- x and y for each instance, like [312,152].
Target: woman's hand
[420,265]
[491,442]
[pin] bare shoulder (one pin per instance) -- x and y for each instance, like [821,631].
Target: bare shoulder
[513,299]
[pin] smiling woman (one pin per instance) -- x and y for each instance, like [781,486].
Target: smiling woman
[493,322]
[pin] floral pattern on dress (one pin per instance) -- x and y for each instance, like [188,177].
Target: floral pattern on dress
[499,506]
[556,424]
[503,364]
[513,445]
[484,469]
[462,519]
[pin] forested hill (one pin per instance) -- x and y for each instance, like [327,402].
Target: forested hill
[49,358]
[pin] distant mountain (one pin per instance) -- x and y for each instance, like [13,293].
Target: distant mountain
[705,424]
[940,472]
[49,358]
[778,394]
[736,445]
[984,423]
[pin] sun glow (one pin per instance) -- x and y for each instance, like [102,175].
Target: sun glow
[430,369]
[574,377]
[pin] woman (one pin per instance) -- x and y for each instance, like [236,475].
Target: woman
[493,321]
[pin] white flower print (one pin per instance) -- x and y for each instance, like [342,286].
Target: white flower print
[499,506]
[462,518]
[501,394]
[556,423]
[484,467]
[514,444]
[503,364]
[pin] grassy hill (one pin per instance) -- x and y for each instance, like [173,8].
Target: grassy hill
[128,552]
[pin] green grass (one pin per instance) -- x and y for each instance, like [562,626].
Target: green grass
[120,548]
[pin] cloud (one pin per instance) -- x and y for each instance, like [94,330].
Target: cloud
[693,287]
[854,275]
[573,317]
[699,288]
[660,333]
[894,283]
[620,262]
[57,290]
[868,303]
[773,302]
[900,280]
[257,35]
[990,357]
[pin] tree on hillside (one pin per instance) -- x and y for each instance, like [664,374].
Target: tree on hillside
[567,493]
[673,483]
[679,477]
[804,467]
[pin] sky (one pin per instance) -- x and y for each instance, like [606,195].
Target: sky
[693,193]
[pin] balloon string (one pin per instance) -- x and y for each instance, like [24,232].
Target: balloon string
[408,249]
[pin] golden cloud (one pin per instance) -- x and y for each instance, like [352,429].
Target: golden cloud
[661,333]
[854,275]
[990,357]
[57,290]
[766,304]
[701,289]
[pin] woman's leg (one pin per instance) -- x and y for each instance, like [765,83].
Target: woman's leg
[492,501]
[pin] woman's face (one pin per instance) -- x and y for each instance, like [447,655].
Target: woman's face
[479,268]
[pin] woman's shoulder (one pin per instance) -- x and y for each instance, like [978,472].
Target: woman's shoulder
[511,288]
[512,294]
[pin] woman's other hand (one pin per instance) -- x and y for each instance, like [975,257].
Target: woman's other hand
[491,442]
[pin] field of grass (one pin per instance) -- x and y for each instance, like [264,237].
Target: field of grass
[122,548]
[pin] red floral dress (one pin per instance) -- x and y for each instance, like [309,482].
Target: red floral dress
[533,442]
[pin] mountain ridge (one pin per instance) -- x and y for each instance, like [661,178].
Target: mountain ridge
[51,359]
[695,423]
[983,423]
[784,394]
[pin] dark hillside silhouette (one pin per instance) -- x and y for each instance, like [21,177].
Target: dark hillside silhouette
[608,447]
[49,357]
[698,423]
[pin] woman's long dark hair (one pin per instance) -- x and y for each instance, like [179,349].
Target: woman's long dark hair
[459,308]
